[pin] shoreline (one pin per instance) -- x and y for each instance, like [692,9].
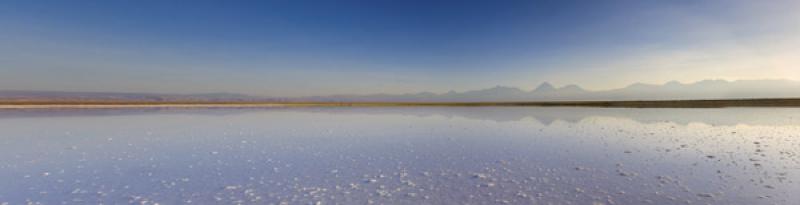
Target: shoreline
[786,102]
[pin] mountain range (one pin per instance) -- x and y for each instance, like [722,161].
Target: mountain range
[20,95]
[673,90]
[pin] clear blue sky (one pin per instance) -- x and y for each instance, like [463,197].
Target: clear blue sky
[297,48]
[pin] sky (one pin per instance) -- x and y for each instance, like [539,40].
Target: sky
[321,47]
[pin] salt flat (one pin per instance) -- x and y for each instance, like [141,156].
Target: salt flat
[401,155]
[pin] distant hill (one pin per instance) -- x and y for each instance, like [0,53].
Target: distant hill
[707,89]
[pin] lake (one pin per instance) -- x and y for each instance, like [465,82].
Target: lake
[401,155]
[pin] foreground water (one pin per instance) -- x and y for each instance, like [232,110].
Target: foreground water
[418,155]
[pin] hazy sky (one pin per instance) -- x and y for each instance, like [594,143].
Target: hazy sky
[297,48]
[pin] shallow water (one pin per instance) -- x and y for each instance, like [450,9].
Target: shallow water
[416,155]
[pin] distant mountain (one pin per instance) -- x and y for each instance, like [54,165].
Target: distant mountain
[16,95]
[673,90]
[572,88]
[545,87]
[708,89]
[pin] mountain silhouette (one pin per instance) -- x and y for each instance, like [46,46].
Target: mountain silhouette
[673,90]
[545,87]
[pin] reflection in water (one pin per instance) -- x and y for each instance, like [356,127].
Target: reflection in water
[545,115]
[401,155]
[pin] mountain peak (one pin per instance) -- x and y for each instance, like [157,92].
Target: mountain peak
[545,87]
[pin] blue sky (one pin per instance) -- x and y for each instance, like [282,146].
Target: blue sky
[298,48]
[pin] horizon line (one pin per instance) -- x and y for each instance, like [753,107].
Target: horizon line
[406,93]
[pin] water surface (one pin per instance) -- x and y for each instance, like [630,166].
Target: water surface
[413,155]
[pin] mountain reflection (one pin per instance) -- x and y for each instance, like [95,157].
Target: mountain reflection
[544,115]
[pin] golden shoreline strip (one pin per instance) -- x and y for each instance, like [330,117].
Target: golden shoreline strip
[787,102]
